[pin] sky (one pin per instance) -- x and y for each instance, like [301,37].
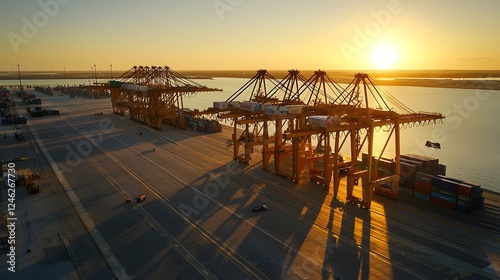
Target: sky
[52,35]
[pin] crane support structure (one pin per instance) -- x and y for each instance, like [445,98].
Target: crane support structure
[303,124]
[152,95]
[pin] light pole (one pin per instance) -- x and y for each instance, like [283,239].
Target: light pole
[111,65]
[95,69]
[19,74]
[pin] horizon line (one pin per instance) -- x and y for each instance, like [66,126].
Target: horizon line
[315,69]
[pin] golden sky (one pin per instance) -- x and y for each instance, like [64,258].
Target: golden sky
[52,35]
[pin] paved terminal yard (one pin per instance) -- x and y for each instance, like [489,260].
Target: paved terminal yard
[196,221]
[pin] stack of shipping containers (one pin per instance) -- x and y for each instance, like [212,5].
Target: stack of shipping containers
[213,126]
[22,177]
[6,109]
[47,90]
[467,196]
[424,178]
[407,173]
[27,176]
[386,167]
[202,125]
[428,165]
[423,186]
[432,185]
[444,192]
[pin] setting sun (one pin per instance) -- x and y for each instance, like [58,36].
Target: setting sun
[384,57]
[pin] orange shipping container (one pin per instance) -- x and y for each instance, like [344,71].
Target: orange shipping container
[30,174]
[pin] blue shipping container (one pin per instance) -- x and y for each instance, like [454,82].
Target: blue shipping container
[444,197]
[445,184]
[443,191]
[421,196]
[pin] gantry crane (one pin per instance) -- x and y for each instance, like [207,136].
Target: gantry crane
[152,94]
[298,119]
[249,113]
[262,112]
[358,111]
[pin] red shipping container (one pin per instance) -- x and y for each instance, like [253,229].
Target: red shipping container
[464,190]
[421,187]
[443,203]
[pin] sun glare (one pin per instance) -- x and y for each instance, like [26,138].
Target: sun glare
[384,57]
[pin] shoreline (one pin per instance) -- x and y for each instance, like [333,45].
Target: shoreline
[435,79]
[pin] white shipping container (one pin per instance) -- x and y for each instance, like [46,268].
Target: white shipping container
[323,121]
[295,109]
[220,105]
[143,88]
[282,110]
[250,106]
[134,87]
[275,110]
[130,86]
[234,104]
[271,110]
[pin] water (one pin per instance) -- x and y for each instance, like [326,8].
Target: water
[453,79]
[469,135]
